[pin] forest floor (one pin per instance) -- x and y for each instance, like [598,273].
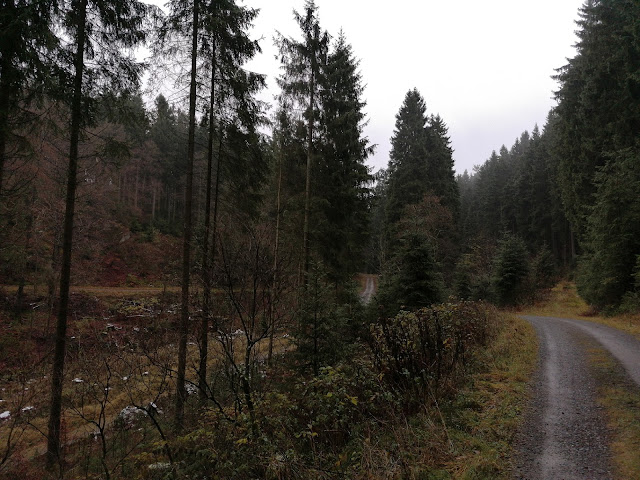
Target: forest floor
[582,420]
[121,358]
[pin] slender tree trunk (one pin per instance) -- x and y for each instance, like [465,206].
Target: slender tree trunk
[135,190]
[53,435]
[4,116]
[275,259]
[307,194]
[216,199]
[5,93]
[206,269]
[4,120]
[153,203]
[181,393]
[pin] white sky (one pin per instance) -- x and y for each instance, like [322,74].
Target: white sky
[484,66]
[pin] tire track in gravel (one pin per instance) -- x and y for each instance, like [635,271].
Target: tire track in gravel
[564,435]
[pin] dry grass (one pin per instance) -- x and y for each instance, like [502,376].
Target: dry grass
[563,301]
[129,292]
[135,379]
[621,399]
[491,408]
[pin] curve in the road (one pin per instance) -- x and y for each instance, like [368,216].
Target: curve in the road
[564,434]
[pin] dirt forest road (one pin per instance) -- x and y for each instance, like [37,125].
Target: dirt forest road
[369,289]
[564,434]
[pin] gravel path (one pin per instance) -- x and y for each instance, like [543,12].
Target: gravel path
[369,290]
[564,435]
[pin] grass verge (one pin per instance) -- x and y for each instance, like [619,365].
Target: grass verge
[621,399]
[487,412]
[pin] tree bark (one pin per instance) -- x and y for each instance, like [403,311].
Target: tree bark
[6,92]
[4,120]
[181,392]
[307,194]
[275,260]
[4,115]
[206,269]
[53,435]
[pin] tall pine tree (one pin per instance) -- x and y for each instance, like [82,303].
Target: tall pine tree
[303,61]
[99,33]
[343,177]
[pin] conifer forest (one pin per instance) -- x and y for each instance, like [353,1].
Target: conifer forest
[204,285]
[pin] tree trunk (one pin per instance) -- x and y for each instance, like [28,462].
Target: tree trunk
[6,68]
[4,115]
[4,120]
[53,435]
[307,194]
[206,269]
[181,392]
[275,260]
[135,189]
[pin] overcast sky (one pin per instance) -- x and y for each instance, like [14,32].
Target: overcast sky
[484,66]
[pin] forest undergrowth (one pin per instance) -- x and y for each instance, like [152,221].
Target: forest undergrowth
[366,416]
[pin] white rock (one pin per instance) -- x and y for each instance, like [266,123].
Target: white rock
[77,380]
[28,408]
[129,414]
[191,389]
[5,415]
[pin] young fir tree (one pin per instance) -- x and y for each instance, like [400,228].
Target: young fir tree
[342,176]
[97,34]
[303,62]
[511,268]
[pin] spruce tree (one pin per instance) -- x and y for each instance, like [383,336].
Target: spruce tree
[408,158]
[342,176]
[441,179]
[612,240]
[303,61]
[598,101]
[182,27]
[597,129]
[225,46]
[511,268]
[98,33]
